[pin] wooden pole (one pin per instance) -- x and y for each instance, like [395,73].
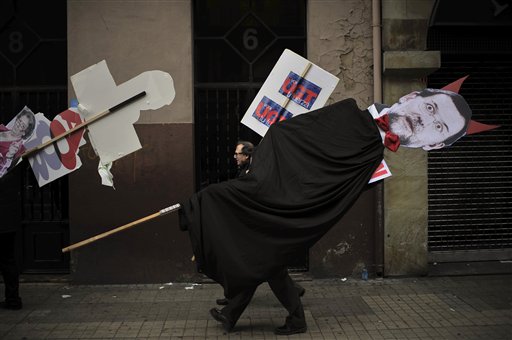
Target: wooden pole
[123,227]
[83,124]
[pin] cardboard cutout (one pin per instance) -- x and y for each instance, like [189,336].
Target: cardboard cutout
[114,136]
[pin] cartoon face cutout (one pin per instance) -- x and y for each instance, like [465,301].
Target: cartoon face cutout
[429,119]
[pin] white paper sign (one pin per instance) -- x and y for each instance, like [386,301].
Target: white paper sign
[294,86]
[114,136]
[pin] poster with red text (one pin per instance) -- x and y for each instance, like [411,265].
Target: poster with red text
[294,86]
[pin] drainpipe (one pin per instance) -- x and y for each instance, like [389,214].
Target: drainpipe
[377,51]
[377,98]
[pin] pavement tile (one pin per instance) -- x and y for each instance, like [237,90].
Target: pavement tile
[464,307]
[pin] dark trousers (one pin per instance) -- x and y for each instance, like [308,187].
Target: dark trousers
[283,288]
[8,267]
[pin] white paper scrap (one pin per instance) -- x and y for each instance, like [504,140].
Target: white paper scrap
[107,178]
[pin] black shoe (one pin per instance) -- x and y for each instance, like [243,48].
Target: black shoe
[217,315]
[11,305]
[288,330]
[222,302]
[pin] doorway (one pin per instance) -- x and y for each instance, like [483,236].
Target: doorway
[33,68]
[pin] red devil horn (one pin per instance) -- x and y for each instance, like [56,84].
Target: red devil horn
[476,127]
[455,86]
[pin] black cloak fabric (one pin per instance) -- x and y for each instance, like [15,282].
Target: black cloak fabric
[305,175]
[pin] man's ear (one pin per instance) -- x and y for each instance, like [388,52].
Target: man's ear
[433,146]
[408,96]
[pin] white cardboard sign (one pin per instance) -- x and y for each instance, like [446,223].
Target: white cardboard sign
[294,86]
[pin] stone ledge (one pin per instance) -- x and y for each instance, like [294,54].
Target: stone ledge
[411,63]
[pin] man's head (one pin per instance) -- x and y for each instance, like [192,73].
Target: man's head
[430,119]
[243,152]
[24,124]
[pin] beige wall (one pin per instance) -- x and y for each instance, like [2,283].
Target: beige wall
[340,41]
[404,32]
[134,37]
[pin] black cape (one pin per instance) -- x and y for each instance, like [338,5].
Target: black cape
[306,174]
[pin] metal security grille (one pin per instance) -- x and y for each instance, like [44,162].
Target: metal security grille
[33,72]
[236,44]
[470,183]
[469,40]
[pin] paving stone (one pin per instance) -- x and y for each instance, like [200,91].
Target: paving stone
[463,307]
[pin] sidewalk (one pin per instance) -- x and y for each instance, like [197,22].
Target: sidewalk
[468,307]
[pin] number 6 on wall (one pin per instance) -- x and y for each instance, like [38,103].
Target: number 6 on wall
[250,39]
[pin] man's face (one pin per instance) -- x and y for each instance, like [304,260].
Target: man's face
[425,122]
[239,156]
[20,126]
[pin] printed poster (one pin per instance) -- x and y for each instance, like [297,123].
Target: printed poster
[294,86]
[60,158]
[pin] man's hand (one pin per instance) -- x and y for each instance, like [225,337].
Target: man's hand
[13,149]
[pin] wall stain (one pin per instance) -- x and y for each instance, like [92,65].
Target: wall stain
[340,249]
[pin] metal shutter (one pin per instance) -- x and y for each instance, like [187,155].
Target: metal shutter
[470,183]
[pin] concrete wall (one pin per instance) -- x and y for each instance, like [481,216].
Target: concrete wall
[404,32]
[133,37]
[340,41]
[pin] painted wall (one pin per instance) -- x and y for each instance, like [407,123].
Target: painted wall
[340,41]
[404,33]
[133,37]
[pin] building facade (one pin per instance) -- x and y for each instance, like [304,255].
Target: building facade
[219,53]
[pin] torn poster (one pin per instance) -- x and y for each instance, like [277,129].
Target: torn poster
[114,136]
